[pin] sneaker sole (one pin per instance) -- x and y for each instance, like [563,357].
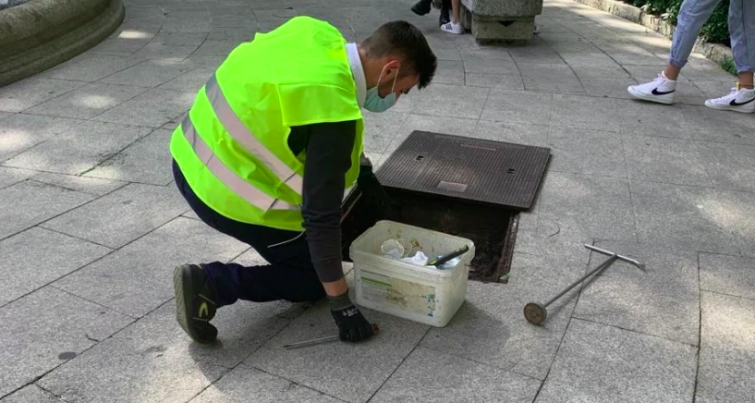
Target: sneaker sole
[182,283]
[650,98]
[730,108]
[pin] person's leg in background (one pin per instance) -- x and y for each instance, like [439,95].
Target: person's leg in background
[202,289]
[692,15]
[454,26]
[742,34]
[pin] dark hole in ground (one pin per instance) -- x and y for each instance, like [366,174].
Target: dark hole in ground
[491,228]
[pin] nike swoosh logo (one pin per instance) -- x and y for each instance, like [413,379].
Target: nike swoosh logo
[656,92]
[735,103]
[203,310]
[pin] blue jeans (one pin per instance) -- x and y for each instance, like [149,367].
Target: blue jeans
[694,13]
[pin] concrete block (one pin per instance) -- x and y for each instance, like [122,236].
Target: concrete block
[466,102]
[21,132]
[351,372]
[29,203]
[448,381]
[78,149]
[663,301]
[139,277]
[638,368]
[120,217]
[587,152]
[153,108]
[36,257]
[87,101]
[727,353]
[27,93]
[582,208]
[56,327]
[148,161]
[242,382]
[730,275]
[518,107]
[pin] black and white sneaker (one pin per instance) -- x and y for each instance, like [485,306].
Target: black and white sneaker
[660,90]
[742,100]
[195,303]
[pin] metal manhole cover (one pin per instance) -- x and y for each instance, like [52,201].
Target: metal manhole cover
[492,172]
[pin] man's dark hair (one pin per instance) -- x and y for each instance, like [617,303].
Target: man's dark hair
[402,39]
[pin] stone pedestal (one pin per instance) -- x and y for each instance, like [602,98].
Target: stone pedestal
[500,20]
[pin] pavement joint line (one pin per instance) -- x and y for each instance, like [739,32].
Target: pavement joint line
[703,290]
[637,332]
[52,284]
[403,360]
[699,329]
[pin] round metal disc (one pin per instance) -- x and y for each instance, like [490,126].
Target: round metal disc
[535,313]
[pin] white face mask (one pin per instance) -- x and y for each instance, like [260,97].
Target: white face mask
[374,103]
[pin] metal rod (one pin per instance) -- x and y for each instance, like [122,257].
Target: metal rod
[602,266]
[311,342]
[621,257]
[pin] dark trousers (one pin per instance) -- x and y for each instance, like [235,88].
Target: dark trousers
[290,275]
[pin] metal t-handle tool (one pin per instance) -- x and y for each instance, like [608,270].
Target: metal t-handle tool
[536,313]
[375,330]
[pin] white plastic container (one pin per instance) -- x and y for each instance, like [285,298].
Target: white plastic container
[422,294]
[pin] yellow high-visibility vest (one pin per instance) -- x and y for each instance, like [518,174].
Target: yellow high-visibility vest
[232,147]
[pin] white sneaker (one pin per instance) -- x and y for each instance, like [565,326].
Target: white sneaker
[738,101]
[452,28]
[660,90]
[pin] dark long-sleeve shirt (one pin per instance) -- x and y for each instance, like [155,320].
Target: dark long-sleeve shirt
[328,148]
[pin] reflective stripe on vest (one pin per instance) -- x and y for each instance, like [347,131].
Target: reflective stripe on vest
[241,133]
[242,188]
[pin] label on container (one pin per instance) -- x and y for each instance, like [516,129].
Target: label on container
[397,293]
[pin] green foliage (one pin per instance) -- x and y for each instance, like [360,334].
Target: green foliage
[715,30]
[728,65]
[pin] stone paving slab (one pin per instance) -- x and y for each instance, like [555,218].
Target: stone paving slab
[31,394]
[54,255]
[153,108]
[153,360]
[584,112]
[607,364]
[730,275]
[691,218]
[147,160]
[20,132]
[190,81]
[727,353]
[4,115]
[519,133]
[663,301]
[139,277]
[10,176]
[708,126]
[87,101]
[431,376]
[646,119]
[347,371]
[677,161]
[79,149]
[94,186]
[122,216]
[56,327]
[587,152]
[29,203]
[91,67]
[518,107]
[582,208]
[32,91]
[558,78]
[490,327]
[467,102]
[238,385]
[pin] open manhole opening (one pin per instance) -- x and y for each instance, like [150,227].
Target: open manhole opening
[461,186]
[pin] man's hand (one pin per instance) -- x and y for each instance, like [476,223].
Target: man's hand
[352,326]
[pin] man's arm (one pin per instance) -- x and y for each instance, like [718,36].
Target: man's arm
[328,159]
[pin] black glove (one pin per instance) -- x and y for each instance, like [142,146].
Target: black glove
[352,326]
[374,193]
